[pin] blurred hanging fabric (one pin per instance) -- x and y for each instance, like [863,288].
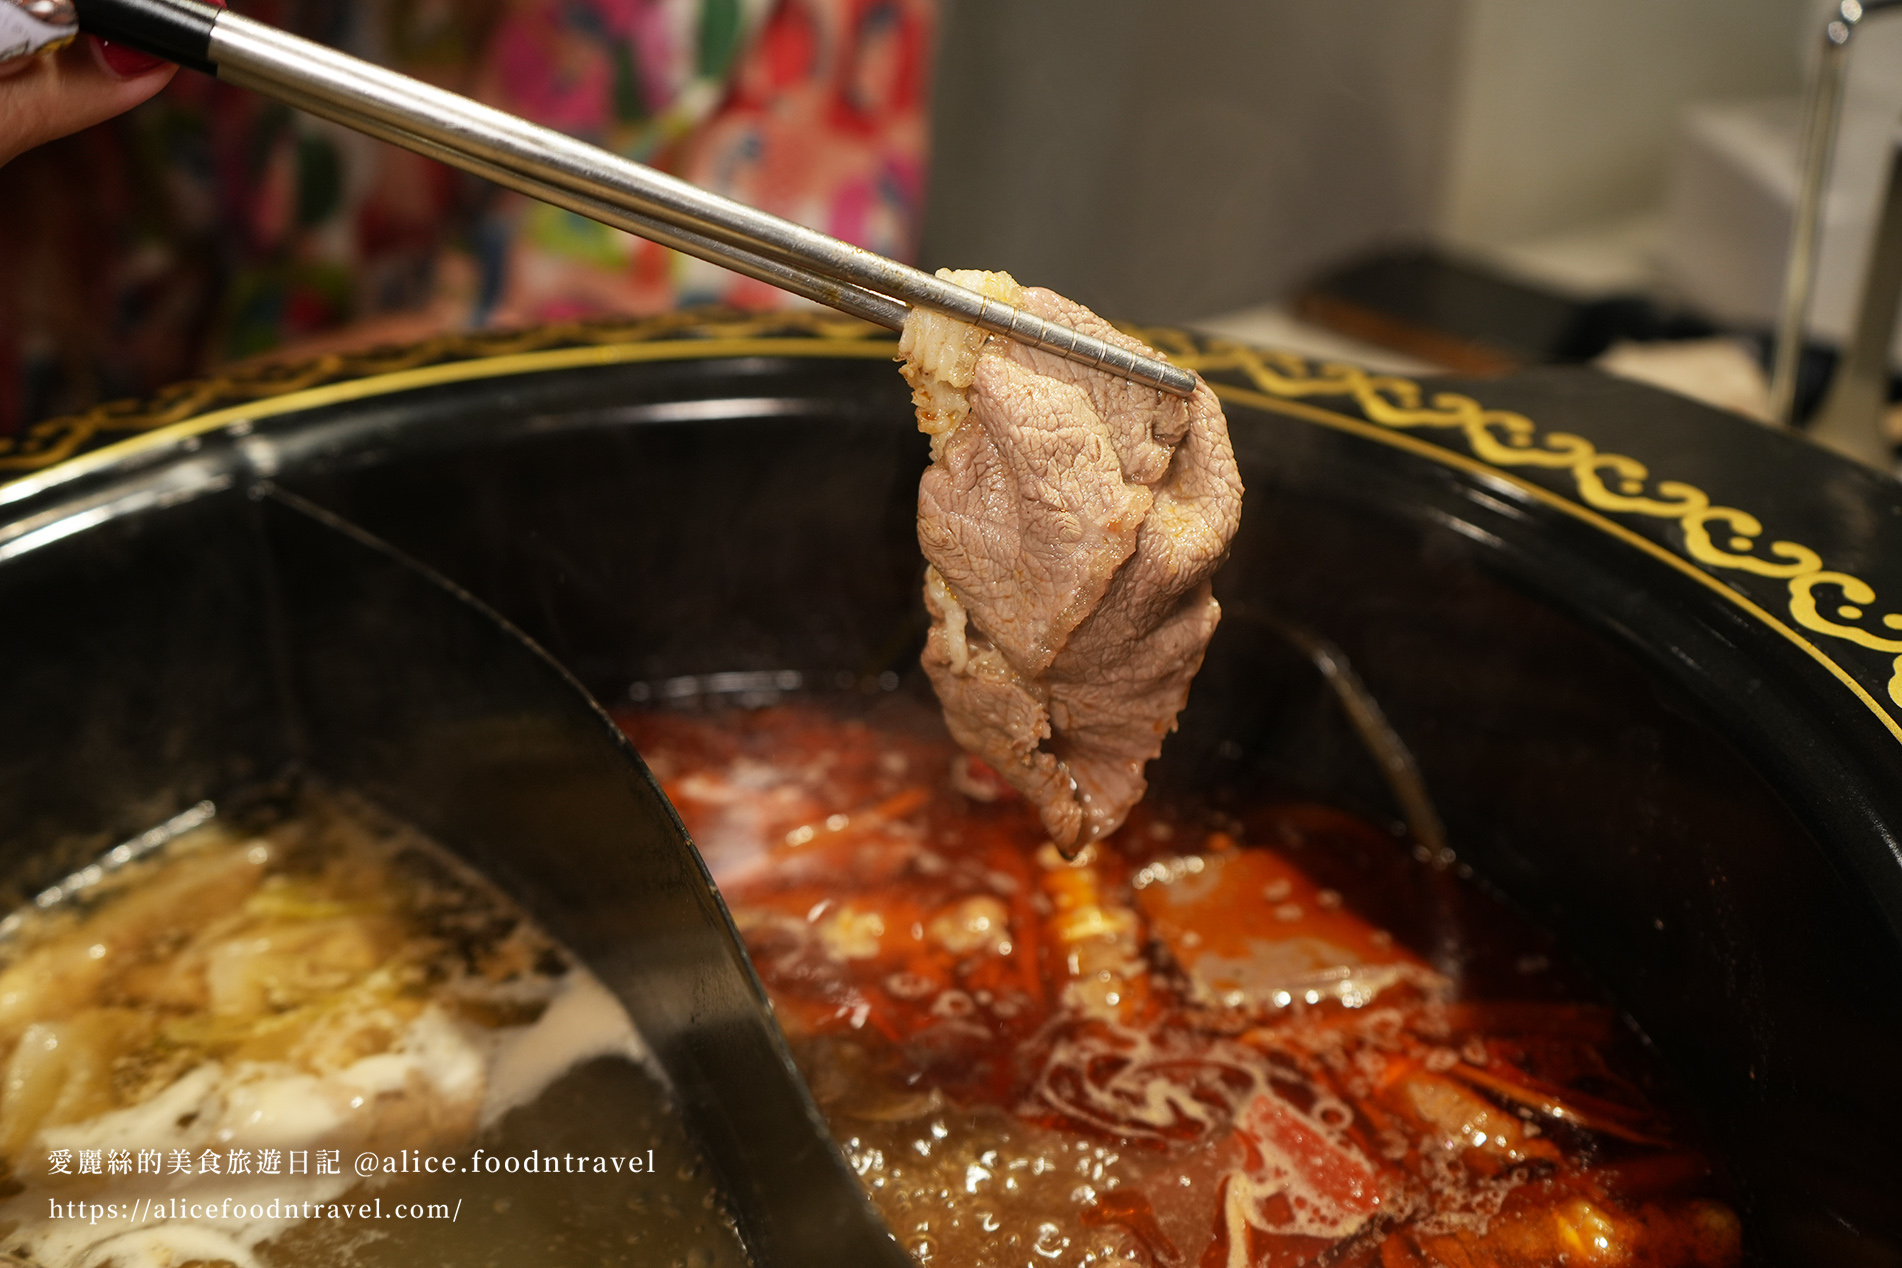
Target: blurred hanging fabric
[211,225]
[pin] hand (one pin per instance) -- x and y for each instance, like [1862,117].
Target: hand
[82,84]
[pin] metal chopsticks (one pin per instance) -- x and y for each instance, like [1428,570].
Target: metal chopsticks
[583,178]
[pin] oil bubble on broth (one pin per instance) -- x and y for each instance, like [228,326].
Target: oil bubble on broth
[201,1045]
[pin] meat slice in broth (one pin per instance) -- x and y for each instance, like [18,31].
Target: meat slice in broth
[1071,521]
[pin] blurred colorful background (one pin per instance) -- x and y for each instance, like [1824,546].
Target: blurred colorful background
[212,225]
[1626,168]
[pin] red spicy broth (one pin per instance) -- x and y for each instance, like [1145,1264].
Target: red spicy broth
[1258,1038]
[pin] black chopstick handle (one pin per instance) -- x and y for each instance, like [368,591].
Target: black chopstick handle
[177,30]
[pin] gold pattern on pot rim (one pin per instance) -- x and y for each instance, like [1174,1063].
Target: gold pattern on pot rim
[1392,408]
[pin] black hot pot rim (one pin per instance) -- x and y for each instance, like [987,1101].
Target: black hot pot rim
[1602,656]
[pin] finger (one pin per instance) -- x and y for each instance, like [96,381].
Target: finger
[78,86]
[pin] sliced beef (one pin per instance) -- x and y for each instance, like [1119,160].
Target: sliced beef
[1071,521]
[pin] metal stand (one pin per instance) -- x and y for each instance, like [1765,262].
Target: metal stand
[1850,420]
[1821,112]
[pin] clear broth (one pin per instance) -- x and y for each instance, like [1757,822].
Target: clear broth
[310,976]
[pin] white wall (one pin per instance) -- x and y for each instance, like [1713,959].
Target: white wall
[1169,159]
[1166,159]
[1567,109]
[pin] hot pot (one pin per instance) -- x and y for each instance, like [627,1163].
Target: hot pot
[1639,651]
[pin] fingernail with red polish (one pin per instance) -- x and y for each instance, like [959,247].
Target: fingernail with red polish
[126,63]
